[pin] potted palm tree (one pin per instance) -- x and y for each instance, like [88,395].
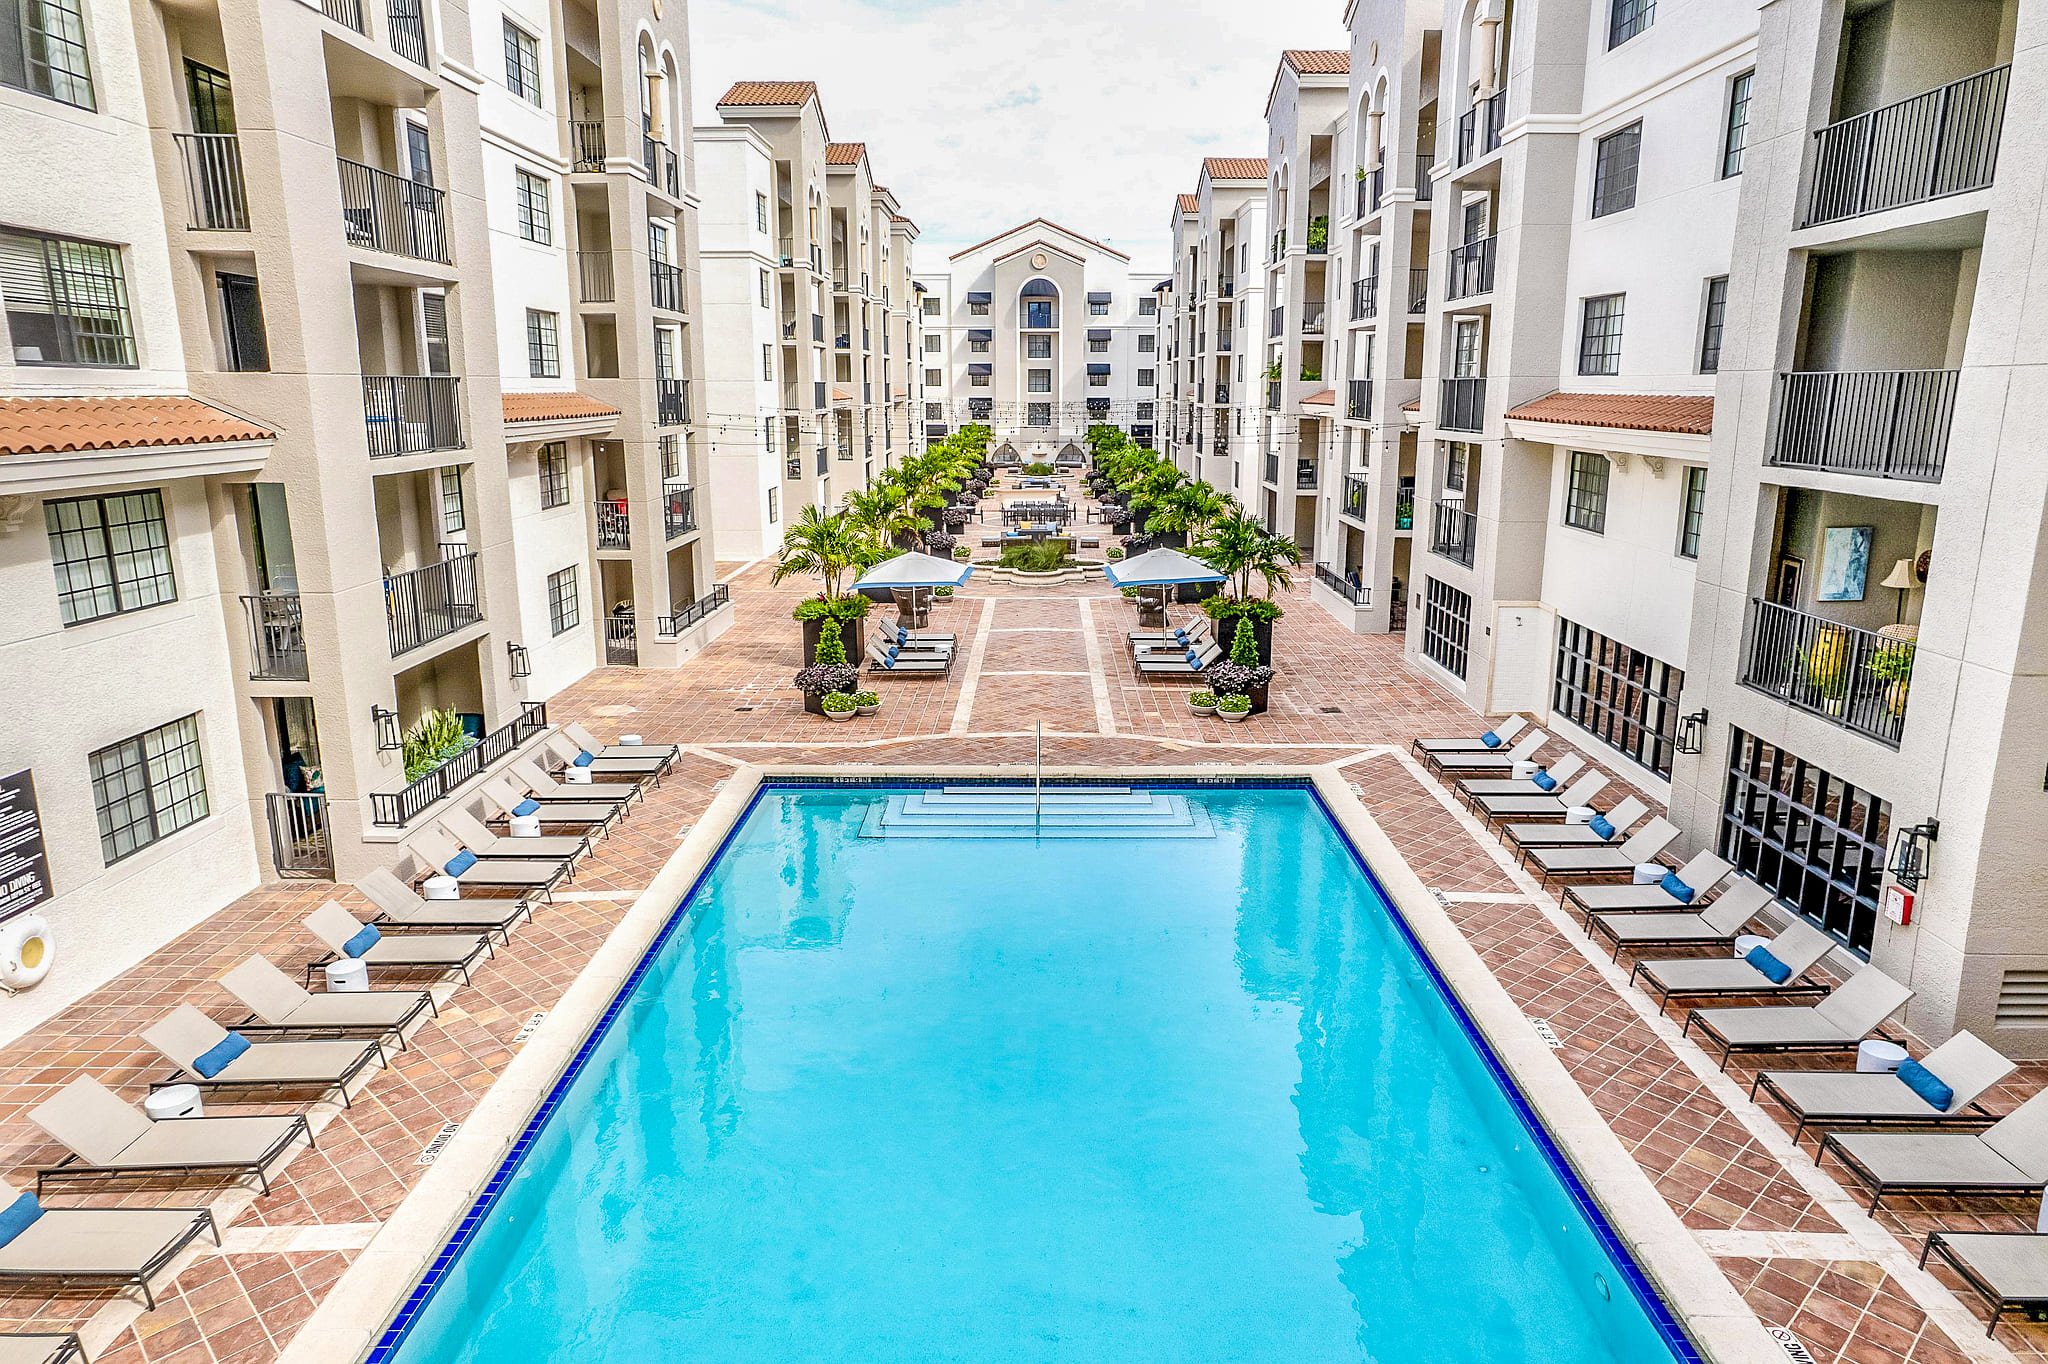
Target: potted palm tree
[827,546]
[1238,547]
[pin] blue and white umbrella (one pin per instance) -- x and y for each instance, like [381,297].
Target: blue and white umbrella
[1160,568]
[913,570]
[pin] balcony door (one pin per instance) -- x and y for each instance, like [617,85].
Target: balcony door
[1465,349]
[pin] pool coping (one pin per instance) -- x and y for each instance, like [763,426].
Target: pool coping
[431,1221]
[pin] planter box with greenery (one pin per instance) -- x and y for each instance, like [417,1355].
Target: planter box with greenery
[1202,702]
[1236,706]
[839,705]
[867,702]
[435,739]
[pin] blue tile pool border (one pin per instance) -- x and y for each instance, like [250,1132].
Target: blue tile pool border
[394,1334]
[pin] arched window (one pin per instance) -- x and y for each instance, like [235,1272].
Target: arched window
[1040,298]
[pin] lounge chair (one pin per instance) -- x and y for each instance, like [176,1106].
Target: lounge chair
[98,1245]
[509,796]
[1502,734]
[1621,818]
[41,1347]
[1639,849]
[1834,1098]
[569,753]
[401,910]
[1715,926]
[481,841]
[2007,1159]
[1678,889]
[880,661]
[1798,949]
[2008,1269]
[592,744]
[893,633]
[1489,763]
[345,936]
[435,847]
[1536,803]
[1187,663]
[1556,774]
[278,1004]
[892,648]
[1849,1014]
[110,1139]
[211,1057]
[548,791]
[1184,636]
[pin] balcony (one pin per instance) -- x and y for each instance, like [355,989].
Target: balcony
[1875,423]
[213,181]
[429,603]
[671,402]
[1479,127]
[1358,397]
[407,31]
[1855,678]
[1418,288]
[1461,404]
[1312,311]
[277,638]
[1358,594]
[1928,147]
[817,326]
[1272,469]
[1471,269]
[1404,508]
[347,13]
[719,596]
[1226,288]
[385,212]
[678,511]
[666,283]
[1222,398]
[411,414]
[1425,187]
[621,641]
[1306,475]
[1372,188]
[594,277]
[1276,322]
[1219,446]
[660,164]
[586,146]
[1272,395]
[1224,345]
[1351,499]
[396,809]
[1365,298]
[818,394]
[1453,532]
[614,524]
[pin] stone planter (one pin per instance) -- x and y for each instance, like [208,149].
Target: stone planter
[1234,716]
[1262,635]
[838,716]
[1201,710]
[867,710]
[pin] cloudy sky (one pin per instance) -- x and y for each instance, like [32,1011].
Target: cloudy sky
[983,113]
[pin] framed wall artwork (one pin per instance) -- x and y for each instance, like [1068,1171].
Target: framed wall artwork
[1845,563]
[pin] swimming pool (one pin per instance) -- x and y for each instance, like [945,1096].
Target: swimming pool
[929,1073]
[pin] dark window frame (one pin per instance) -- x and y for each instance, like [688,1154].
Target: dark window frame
[1627,18]
[135,799]
[1587,475]
[66,81]
[1713,324]
[1617,167]
[554,475]
[117,550]
[1735,127]
[81,287]
[1621,696]
[565,603]
[1692,510]
[543,345]
[1446,626]
[535,207]
[522,63]
[1600,324]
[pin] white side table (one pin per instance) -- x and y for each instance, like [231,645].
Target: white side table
[441,887]
[523,826]
[573,775]
[1579,814]
[174,1101]
[1650,873]
[1745,943]
[1876,1058]
[629,741]
[348,976]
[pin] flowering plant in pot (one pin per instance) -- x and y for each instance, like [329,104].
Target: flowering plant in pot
[1236,706]
[866,702]
[829,674]
[940,543]
[1113,553]
[840,705]
[1112,515]
[1202,702]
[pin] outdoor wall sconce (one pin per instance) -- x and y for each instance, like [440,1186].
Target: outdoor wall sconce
[1909,853]
[386,723]
[1692,732]
[522,662]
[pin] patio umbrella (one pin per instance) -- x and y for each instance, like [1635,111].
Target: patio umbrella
[1160,568]
[909,571]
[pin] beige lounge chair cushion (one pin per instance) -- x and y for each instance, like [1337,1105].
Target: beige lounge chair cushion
[424,949]
[389,894]
[207,1141]
[363,1009]
[333,925]
[293,1062]
[91,1120]
[95,1241]
[1964,1063]
[2015,1266]
[32,1348]
[538,781]
[270,994]
[1932,1159]
[185,1033]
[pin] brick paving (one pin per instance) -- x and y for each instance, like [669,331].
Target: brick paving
[1339,698]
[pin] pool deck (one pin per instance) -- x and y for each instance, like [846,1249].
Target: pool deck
[1784,1234]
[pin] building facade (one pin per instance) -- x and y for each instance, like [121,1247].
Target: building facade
[1219,291]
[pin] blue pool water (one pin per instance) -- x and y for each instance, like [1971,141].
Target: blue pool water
[1163,1080]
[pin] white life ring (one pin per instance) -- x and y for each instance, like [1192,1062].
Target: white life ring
[25,951]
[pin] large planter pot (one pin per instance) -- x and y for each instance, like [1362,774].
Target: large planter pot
[849,635]
[867,710]
[1262,635]
[1258,698]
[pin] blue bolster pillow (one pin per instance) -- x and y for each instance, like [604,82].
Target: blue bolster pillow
[1927,1085]
[1491,740]
[215,1058]
[1194,659]
[361,941]
[18,1216]
[1677,889]
[529,806]
[1544,781]
[1602,827]
[585,759]
[459,863]
[1777,972]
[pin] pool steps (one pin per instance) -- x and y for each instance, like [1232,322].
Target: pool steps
[1014,812]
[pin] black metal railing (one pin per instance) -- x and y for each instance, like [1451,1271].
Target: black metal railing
[1312,311]
[348,13]
[621,641]
[385,212]
[1461,404]
[1418,288]
[1425,188]
[1307,474]
[666,282]
[660,164]
[1857,678]
[719,595]
[411,414]
[1479,127]
[406,27]
[1222,395]
[1358,397]
[586,146]
[594,283]
[672,402]
[1372,188]
[1226,288]
[1878,423]
[1358,594]
[678,511]
[1224,345]
[395,809]
[1273,395]
[277,637]
[1272,470]
[428,603]
[1351,502]
[1365,298]
[1453,532]
[299,842]
[1276,321]
[1933,145]
[614,523]
[1471,269]
[213,181]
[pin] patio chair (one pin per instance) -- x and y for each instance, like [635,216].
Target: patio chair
[1183,636]
[2008,1269]
[1501,734]
[438,848]
[400,909]
[211,1057]
[1678,889]
[569,753]
[41,1347]
[97,1245]
[1546,781]
[480,840]
[1849,1014]
[2007,1159]
[110,1139]
[1715,926]
[1797,950]
[592,744]
[892,633]
[1187,663]
[346,936]
[545,789]
[278,1004]
[1494,763]
[880,660]
[1604,828]
[508,796]
[892,648]
[1538,804]
[1639,849]
[1834,1098]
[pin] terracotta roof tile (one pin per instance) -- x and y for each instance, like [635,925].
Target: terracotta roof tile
[553,407]
[1326,398]
[1235,167]
[1189,203]
[1037,222]
[48,426]
[768,93]
[1312,63]
[1686,414]
[845,153]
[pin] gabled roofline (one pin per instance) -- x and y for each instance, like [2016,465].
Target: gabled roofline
[1040,222]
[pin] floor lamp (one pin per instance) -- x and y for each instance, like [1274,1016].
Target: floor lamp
[1901,581]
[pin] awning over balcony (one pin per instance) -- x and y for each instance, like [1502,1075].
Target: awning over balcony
[980,334]
[1098,369]
[1098,333]
[54,444]
[1039,288]
[981,369]
[1098,297]
[981,298]
[1678,413]
[556,414]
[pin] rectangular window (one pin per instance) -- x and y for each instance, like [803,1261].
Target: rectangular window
[1145,378]
[935,378]
[1038,348]
[1615,160]
[934,412]
[522,63]
[932,344]
[1038,414]
[112,555]
[1446,626]
[1694,513]
[670,448]
[977,309]
[760,212]
[1457,462]
[977,346]
[148,787]
[67,303]
[1465,349]
[1585,494]
[1815,840]
[554,475]
[1622,697]
[1148,307]
[1097,309]
[1038,381]
[241,318]
[931,307]
[1627,18]
[768,363]
[1145,343]
[1098,381]
[536,223]
[543,355]
[1038,313]
[452,518]
[42,50]
[774,505]
[1710,324]
[565,606]
[1144,411]
[1600,335]
[1098,346]
[767,298]
[1737,135]
[768,434]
